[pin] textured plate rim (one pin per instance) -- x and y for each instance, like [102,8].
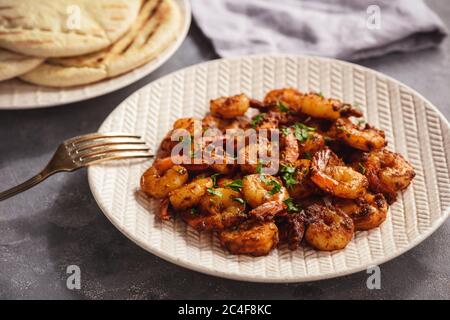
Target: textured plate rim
[271,279]
[128,78]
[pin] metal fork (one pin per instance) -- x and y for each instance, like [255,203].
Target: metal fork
[83,151]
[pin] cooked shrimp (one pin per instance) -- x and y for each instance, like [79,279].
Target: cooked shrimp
[255,238]
[312,104]
[299,141]
[365,138]
[367,213]
[190,194]
[291,98]
[258,189]
[387,172]
[267,210]
[311,145]
[267,121]
[222,182]
[329,173]
[297,180]
[230,107]
[328,229]
[291,228]
[222,209]
[289,146]
[317,106]
[159,183]
[251,156]
[212,121]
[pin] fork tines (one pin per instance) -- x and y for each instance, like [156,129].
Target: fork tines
[98,147]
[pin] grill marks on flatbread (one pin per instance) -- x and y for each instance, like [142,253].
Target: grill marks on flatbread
[24,29]
[155,28]
[14,64]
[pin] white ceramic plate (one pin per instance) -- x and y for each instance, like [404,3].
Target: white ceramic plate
[413,127]
[16,94]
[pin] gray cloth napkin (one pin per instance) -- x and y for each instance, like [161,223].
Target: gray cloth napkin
[345,29]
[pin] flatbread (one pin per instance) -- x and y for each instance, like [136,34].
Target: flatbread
[13,64]
[62,28]
[155,28]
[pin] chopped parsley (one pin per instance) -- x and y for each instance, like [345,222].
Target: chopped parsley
[193,211]
[239,200]
[214,179]
[302,131]
[276,187]
[257,119]
[286,131]
[236,185]
[361,168]
[282,107]
[287,174]
[214,192]
[291,206]
[259,167]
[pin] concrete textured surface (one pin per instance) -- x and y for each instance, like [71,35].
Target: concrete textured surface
[58,223]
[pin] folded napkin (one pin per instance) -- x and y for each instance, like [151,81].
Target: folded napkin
[345,29]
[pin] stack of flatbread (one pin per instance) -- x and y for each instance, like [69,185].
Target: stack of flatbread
[67,43]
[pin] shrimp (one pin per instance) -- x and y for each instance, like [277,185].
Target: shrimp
[387,172]
[367,138]
[317,106]
[230,107]
[329,174]
[259,189]
[211,121]
[291,228]
[291,98]
[312,144]
[328,228]
[255,238]
[266,121]
[267,210]
[190,194]
[299,141]
[297,180]
[159,183]
[289,146]
[222,209]
[252,154]
[367,213]
[311,104]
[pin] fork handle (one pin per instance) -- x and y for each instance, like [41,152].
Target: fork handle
[44,174]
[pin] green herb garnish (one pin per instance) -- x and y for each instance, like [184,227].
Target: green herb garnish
[286,131]
[282,107]
[259,167]
[257,119]
[302,131]
[291,206]
[276,187]
[361,168]
[193,211]
[239,200]
[287,174]
[215,192]
[236,185]
[214,179]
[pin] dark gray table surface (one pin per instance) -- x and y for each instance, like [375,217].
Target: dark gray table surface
[58,223]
